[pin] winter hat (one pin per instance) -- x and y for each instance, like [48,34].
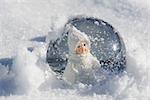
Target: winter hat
[74,37]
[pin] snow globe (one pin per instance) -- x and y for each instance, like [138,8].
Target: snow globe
[106,45]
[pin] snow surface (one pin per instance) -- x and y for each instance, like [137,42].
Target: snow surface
[24,25]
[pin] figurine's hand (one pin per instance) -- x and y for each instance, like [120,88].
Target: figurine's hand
[74,68]
[95,63]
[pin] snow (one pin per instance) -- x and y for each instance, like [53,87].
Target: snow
[24,26]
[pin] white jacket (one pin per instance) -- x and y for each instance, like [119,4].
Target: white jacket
[79,68]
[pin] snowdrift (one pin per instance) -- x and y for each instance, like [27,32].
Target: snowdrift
[24,73]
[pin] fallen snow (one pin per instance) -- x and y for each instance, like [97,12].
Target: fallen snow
[24,25]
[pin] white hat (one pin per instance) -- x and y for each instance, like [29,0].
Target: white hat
[74,37]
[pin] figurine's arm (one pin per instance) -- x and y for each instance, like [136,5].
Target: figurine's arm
[69,74]
[74,68]
[95,63]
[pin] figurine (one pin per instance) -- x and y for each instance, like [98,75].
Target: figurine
[81,63]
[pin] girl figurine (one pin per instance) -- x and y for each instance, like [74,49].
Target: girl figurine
[81,63]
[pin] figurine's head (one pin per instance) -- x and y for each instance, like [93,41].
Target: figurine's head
[79,43]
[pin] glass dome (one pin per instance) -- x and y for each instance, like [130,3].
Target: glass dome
[106,45]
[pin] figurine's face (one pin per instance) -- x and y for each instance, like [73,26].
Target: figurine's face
[82,48]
